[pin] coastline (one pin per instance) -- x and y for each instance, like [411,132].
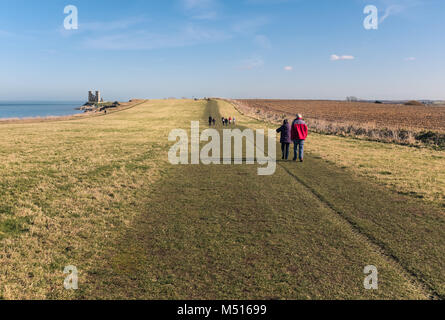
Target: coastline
[87,113]
[26,109]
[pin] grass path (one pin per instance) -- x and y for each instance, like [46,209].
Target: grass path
[217,232]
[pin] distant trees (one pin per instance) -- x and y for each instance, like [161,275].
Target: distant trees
[351,99]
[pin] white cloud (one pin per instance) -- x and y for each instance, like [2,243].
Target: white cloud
[288,68]
[410,59]
[335,57]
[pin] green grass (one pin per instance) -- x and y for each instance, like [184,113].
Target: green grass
[98,193]
[13,227]
[75,184]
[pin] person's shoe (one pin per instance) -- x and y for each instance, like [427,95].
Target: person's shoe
[301,160]
[294,159]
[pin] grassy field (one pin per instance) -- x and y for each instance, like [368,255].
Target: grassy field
[68,188]
[99,193]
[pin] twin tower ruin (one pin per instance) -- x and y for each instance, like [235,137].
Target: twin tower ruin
[94,98]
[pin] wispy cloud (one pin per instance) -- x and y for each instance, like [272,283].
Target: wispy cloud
[104,27]
[396,7]
[249,26]
[262,41]
[142,40]
[391,10]
[410,59]
[201,9]
[335,57]
[112,25]
[252,63]
[266,1]
[4,33]
[288,68]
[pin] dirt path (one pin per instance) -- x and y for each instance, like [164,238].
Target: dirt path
[307,232]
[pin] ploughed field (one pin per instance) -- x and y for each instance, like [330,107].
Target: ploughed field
[382,115]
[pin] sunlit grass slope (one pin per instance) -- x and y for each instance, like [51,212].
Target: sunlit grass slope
[67,189]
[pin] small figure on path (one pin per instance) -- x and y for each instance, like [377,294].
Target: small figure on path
[214,122]
[210,121]
[299,133]
[285,139]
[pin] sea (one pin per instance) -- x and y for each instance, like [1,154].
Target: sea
[32,109]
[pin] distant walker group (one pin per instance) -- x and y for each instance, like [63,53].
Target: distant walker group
[225,121]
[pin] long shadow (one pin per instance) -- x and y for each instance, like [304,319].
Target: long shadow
[390,221]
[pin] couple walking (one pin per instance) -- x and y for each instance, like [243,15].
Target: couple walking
[296,133]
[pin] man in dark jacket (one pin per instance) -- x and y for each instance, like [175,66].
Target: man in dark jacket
[299,133]
[285,138]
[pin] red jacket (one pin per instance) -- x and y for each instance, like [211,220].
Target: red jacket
[299,130]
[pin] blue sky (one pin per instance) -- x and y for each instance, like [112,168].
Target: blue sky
[244,48]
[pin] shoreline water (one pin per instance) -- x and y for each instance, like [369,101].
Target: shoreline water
[85,112]
[10,110]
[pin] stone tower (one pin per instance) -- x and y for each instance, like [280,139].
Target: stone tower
[94,98]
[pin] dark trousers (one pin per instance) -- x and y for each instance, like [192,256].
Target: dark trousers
[298,148]
[285,150]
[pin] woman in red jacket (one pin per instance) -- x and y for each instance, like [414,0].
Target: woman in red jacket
[298,135]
